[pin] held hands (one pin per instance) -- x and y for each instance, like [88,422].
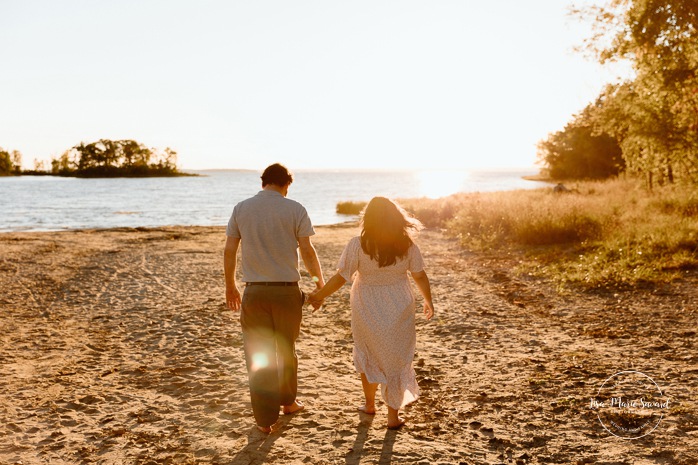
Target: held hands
[314,300]
[326,290]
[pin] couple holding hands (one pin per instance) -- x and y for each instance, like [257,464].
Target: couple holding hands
[270,230]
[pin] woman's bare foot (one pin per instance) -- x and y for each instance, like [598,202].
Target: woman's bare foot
[296,406]
[394,421]
[367,409]
[264,429]
[396,424]
[370,389]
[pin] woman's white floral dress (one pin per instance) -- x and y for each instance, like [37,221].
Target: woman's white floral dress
[382,320]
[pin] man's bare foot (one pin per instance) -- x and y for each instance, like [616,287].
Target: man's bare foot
[367,410]
[396,425]
[264,429]
[296,406]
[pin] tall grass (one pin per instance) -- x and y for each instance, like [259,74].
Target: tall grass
[350,207]
[434,213]
[601,234]
[525,218]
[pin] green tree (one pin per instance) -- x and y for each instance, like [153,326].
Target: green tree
[63,165]
[17,162]
[167,160]
[10,162]
[130,150]
[654,116]
[581,151]
[107,158]
[645,130]
[6,166]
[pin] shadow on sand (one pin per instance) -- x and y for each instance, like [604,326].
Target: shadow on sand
[259,444]
[357,451]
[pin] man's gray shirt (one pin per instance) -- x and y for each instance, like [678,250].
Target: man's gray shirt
[269,226]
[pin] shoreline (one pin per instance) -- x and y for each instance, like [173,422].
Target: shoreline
[344,224]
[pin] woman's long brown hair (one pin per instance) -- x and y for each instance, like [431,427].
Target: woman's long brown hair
[385,236]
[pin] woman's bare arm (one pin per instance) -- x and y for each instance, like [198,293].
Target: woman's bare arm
[422,281]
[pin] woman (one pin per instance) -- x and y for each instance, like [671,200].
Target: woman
[383,305]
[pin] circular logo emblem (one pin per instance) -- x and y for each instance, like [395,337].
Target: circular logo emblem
[630,405]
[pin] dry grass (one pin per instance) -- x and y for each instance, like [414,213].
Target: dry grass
[601,234]
[350,207]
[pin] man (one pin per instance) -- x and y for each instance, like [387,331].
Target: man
[270,229]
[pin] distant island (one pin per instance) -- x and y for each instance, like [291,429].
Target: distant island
[102,159]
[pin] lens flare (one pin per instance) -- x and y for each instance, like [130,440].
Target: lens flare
[259,360]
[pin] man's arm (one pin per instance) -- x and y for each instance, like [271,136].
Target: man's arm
[312,263]
[230,257]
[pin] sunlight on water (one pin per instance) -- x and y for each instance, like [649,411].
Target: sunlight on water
[49,203]
[435,184]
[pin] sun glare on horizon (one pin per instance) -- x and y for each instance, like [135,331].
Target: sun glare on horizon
[440,183]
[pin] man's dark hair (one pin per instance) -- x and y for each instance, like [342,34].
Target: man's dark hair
[277,174]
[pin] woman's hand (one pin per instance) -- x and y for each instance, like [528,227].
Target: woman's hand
[428,309]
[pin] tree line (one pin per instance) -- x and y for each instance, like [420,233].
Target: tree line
[103,158]
[646,125]
[10,162]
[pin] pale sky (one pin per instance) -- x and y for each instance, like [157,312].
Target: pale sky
[312,84]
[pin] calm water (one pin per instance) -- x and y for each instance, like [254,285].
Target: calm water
[29,203]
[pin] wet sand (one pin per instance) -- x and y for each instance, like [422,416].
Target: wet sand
[116,347]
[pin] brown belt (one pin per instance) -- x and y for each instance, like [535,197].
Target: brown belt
[274,283]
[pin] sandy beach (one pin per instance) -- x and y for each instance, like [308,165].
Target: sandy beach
[117,348]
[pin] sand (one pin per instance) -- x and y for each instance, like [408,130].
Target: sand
[117,348]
